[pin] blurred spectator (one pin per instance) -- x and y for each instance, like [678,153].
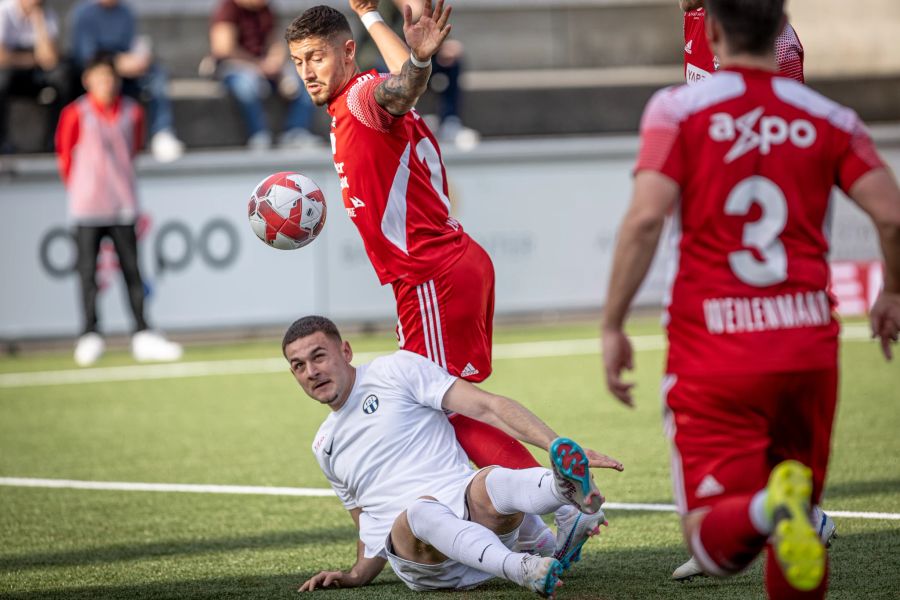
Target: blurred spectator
[30,64]
[98,136]
[110,26]
[446,69]
[251,61]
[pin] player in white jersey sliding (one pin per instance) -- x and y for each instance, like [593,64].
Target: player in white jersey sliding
[392,458]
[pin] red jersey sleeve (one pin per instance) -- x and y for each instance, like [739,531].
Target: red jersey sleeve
[660,132]
[859,158]
[789,54]
[66,138]
[362,104]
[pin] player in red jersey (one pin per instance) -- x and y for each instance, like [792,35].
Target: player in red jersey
[395,190]
[746,160]
[700,62]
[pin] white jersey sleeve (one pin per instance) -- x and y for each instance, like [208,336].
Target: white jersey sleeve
[425,381]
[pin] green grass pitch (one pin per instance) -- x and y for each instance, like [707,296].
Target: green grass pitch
[257,430]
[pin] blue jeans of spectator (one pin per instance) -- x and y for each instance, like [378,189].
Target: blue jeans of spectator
[152,88]
[249,88]
[448,97]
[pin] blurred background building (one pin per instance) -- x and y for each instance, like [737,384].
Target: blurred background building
[556,90]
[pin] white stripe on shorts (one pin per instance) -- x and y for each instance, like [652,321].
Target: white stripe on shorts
[424,323]
[437,317]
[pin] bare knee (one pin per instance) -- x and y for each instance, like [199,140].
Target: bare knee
[406,545]
[482,510]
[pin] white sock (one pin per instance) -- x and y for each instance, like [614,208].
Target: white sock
[535,537]
[466,542]
[530,491]
[532,527]
[761,521]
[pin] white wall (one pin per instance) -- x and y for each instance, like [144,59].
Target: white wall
[546,211]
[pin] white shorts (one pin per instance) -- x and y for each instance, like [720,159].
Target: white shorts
[449,575]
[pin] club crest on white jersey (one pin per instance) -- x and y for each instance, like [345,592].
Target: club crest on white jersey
[370,404]
[755,130]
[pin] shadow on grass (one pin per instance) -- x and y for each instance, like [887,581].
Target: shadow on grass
[128,552]
[850,489]
[864,565]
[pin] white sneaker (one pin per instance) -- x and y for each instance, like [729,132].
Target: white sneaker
[688,571]
[259,141]
[543,543]
[454,132]
[89,349]
[152,346]
[300,139]
[166,147]
[824,525]
[573,529]
[541,575]
[572,477]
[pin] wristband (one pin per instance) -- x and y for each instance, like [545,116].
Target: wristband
[422,64]
[370,18]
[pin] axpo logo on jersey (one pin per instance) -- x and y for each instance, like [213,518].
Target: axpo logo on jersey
[755,130]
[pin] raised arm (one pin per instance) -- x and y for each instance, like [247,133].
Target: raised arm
[393,49]
[360,574]
[399,93]
[511,417]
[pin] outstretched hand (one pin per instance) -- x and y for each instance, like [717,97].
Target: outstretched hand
[426,35]
[602,461]
[617,357]
[885,321]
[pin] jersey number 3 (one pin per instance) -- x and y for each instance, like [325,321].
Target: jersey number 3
[761,235]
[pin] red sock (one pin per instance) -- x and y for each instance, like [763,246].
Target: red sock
[486,445]
[727,537]
[777,587]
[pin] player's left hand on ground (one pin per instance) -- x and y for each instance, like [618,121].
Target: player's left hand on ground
[617,356]
[323,579]
[361,7]
[602,461]
[426,35]
[885,321]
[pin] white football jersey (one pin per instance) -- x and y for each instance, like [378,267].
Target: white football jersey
[392,443]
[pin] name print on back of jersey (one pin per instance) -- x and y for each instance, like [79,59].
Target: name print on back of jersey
[755,130]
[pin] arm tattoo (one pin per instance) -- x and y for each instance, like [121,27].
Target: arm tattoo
[399,93]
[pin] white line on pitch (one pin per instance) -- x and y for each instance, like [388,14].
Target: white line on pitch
[122,486]
[521,350]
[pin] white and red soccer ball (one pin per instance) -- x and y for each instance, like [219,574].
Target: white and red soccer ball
[287,210]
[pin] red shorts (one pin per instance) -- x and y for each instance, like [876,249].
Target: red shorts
[728,432]
[449,319]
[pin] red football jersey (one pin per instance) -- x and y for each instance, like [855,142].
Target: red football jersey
[699,61]
[394,185]
[756,156]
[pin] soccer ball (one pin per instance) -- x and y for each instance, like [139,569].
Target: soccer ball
[287,210]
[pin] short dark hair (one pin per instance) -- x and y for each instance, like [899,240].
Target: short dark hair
[101,59]
[307,326]
[751,26]
[318,21]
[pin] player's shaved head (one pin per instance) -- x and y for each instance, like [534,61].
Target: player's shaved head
[307,326]
[750,26]
[319,21]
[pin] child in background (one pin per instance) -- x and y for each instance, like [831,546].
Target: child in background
[98,136]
